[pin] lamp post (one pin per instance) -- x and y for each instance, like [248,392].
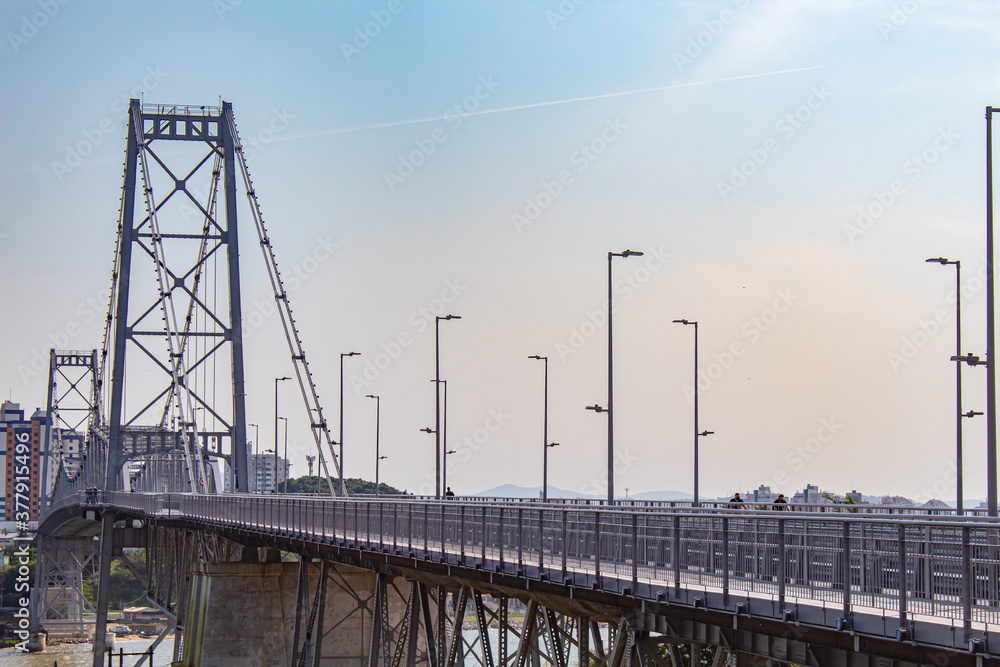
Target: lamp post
[611,379]
[437,399]
[696,434]
[276,381]
[343,489]
[991,378]
[959,509]
[284,480]
[378,410]
[545,430]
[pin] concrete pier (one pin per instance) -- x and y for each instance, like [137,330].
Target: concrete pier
[244,614]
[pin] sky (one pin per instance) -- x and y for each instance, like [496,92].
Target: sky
[785,166]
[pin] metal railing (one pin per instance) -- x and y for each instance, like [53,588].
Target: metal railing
[911,565]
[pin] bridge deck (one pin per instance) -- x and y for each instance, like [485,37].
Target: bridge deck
[935,574]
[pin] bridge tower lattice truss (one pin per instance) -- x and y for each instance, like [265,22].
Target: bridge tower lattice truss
[181,405]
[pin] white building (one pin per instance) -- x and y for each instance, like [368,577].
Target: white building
[262,472]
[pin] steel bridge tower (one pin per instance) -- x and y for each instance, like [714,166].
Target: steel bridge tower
[175,345]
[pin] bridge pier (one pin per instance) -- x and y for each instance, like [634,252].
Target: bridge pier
[244,613]
[103,584]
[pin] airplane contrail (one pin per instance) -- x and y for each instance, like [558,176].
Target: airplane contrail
[535,105]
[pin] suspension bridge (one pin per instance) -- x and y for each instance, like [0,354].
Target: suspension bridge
[254,579]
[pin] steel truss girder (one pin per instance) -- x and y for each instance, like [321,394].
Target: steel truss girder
[57,596]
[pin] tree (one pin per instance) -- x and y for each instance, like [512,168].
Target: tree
[355,485]
[124,590]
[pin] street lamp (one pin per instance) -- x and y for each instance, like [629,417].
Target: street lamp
[343,489]
[611,380]
[284,478]
[959,509]
[276,381]
[437,399]
[545,430]
[696,433]
[378,410]
[991,378]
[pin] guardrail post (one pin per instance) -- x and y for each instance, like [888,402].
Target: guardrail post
[541,542]
[635,552]
[676,549]
[500,540]
[782,566]
[901,567]
[461,531]
[846,568]
[725,562]
[520,535]
[565,546]
[967,592]
[426,529]
[597,548]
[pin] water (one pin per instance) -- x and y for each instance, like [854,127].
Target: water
[80,655]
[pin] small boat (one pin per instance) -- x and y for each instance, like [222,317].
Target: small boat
[146,634]
[121,630]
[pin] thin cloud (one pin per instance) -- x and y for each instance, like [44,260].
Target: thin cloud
[536,105]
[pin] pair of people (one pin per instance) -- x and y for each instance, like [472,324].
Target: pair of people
[779,504]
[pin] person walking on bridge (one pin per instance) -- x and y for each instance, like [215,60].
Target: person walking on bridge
[736,503]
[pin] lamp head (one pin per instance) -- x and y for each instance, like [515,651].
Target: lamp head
[280,379]
[449,316]
[553,444]
[937,260]
[537,356]
[428,430]
[632,253]
[370,396]
[349,354]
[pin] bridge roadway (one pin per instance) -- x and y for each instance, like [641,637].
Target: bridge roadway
[902,585]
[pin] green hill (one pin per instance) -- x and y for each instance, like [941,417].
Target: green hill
[355,485]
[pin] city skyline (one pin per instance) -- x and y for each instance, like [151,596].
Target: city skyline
[786,168]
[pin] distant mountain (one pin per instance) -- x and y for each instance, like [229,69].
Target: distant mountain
[514,491]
